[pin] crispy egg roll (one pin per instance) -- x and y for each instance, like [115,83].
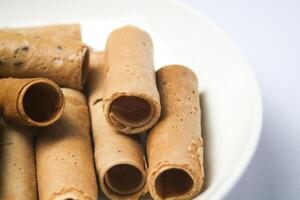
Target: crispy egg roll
[119,158]
[95,81]
[64,156]
[131,100]
[62,60]
[72,31]
[174,145]
[17,164]
[30,102]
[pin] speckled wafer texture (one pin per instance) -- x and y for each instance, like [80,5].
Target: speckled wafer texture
[62,60]
[17,164]
[64,156]
[175,142]
[96,78]
[111,147]
[130,72]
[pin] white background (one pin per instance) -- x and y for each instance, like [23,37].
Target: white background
[268,33]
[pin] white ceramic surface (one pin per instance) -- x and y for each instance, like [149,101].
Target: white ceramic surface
[230,98]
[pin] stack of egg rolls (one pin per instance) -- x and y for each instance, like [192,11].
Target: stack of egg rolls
[125,98]
[40,102]
[119,158]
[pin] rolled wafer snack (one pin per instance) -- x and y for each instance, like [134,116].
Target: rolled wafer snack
[17,164]
[119,158]
[174,145]
[95,81]
[30,102]
[64,156]
[62,60]
[71,31]
[131,100]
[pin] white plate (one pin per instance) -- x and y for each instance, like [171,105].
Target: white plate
[231,103]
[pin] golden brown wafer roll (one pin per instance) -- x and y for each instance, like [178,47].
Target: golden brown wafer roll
[17,165]
[131,100]
[62,60]
[95,82]
[30,102]
[64,157]
[119,158]
[174,145]
[71,31]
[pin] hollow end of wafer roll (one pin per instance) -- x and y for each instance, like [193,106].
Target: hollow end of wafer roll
[131,111]
[124,179]
[132,114]
[172,182]
[40,102]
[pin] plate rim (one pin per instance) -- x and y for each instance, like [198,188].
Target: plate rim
[249,151]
